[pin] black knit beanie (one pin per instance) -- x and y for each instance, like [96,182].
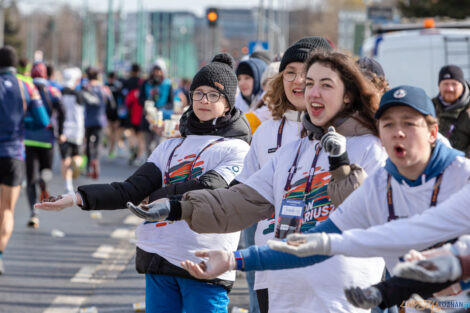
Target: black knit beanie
[218,74]
[244,68]
[451,72]
[300,50]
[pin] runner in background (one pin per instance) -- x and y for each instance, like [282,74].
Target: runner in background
[20,107]
[74,127]
[112,112]
[40,143]
[97,97]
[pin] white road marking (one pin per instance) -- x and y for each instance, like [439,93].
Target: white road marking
[123,233]
[65,304]
[133,220]
[103,252]
[84,275]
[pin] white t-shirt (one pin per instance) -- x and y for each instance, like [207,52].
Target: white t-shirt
[261,151]
[74,122]
[175,241]
[367,207]
[317,288]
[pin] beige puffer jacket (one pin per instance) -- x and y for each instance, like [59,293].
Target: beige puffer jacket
[228,210]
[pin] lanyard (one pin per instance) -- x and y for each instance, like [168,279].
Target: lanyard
[311,173]
[391,209]
[167,174]
[279,136]
[279,133]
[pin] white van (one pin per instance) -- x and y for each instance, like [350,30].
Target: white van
[414,57]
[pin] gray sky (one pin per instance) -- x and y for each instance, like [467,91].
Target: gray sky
[197,7]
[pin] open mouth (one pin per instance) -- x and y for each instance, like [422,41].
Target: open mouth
[298,92]
[399,150]
[316,108]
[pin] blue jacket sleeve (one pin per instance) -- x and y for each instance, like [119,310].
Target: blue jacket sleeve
[37,117]
[263,258]
[164,94]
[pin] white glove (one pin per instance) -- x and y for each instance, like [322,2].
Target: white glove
[303,245]
[438,269]
[366,298]
[158,210]
[333,143]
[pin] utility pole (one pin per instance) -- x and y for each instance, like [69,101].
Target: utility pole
[140,36]
[2,23]
[120,49]
[85,42]
[261,21]
[110,38]
[54,41]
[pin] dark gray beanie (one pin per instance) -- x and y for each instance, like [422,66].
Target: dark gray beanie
[218,74]
[300,50]
[371,65]
[451,72]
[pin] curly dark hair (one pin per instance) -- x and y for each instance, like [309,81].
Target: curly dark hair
[364,96]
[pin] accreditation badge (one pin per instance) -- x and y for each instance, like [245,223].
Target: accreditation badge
[290,218]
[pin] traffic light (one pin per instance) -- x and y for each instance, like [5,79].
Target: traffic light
[212,16]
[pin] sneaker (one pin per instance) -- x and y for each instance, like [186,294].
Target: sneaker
[111,155]
[33,222]
[2,268]
[43,195]
[94,169]
[76,170]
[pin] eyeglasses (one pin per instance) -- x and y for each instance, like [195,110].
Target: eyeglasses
[211,96]
[291,76]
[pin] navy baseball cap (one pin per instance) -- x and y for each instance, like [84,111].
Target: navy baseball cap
[413,97]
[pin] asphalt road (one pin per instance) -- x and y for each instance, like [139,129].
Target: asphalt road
[90,267]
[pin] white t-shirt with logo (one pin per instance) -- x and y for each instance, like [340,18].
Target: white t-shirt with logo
[367,206]
[261,151]
[317,288]
[175,241]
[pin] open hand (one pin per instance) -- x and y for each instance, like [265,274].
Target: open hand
[303,245]
[158,210]
[438,269]
[55,203]
[217,263]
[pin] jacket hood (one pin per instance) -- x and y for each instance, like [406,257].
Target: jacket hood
[257,68]
[232,125]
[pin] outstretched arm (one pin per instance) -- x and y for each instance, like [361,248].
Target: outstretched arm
[448,220]
[251,259]
[112,196]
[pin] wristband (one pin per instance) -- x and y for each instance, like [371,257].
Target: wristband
[239,260]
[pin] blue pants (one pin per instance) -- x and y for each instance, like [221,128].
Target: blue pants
[172,294]
[249,240]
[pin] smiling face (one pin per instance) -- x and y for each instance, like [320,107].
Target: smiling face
[245,83]
[450,90]
[206,110]
[407,139]
[294,90]
[324,94]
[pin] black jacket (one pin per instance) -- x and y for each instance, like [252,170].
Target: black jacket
[454,121]
[147,181]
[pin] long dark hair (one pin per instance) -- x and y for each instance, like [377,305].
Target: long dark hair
[364,97]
